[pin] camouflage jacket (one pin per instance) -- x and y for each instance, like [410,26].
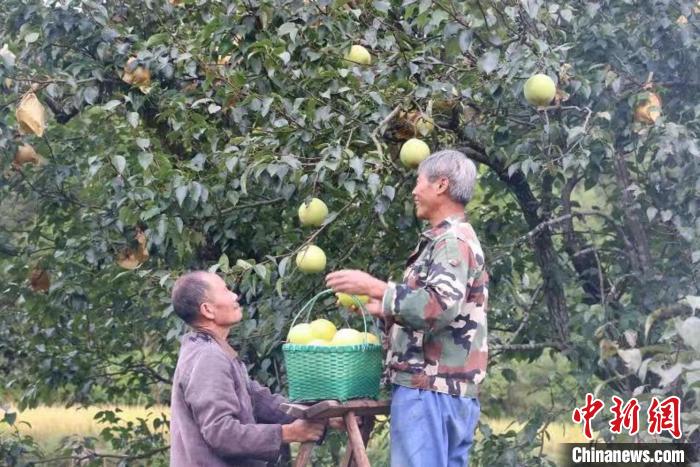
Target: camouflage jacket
[436,318]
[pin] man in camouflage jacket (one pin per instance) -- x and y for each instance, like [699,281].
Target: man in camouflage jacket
[435,321]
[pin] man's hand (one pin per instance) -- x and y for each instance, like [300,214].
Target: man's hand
[301,431]
[356,282]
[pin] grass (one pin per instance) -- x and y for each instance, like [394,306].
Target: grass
[558,432]
[48,425]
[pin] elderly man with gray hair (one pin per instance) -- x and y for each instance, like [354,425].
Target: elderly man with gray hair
[435,322]
[219,416]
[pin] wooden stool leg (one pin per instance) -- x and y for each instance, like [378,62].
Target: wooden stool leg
[304,455]
[366,429]
[355,442]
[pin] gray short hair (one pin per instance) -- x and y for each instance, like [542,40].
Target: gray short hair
[457,168]
[189,292]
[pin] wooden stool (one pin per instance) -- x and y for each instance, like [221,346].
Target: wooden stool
[358,438]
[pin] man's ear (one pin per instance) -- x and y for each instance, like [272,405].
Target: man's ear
[443,185]
[205,310]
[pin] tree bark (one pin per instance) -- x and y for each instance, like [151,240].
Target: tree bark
[545,254]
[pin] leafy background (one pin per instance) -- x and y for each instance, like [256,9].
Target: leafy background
[589,218]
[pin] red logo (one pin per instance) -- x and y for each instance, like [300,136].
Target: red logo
[626,417]
[661,415]
[665,416]
[587,413]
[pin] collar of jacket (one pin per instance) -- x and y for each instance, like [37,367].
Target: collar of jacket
[442,227]
[223,343]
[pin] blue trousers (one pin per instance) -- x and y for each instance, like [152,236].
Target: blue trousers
[431,429]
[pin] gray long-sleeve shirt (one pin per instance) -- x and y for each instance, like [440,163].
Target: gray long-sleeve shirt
[219,416]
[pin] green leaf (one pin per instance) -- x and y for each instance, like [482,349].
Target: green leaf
[381,5]
[689,331]
[573,134]
[133,119]
[181,194]
[119,163]
[111,105]
[489,61]
[10,417]
[157,39]
[145,159]
[567,15]
[631,357]
[143,143]
[261,271]
[693,301]
[8,58]
[91,94]
[509,374]
[31,37]
[223,263]
[290,29]
[282,267]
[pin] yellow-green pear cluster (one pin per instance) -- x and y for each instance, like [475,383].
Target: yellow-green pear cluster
[322,332]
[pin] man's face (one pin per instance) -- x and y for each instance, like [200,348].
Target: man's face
[222,303]
[426,195]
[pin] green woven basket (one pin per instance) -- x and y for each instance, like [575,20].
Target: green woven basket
[341,373]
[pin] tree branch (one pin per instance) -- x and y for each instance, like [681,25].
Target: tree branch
[546,257]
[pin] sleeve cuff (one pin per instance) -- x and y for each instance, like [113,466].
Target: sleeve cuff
[388,309]
[274,443]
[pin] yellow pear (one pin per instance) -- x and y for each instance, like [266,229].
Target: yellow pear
[313,213]
[300,334]
[347,301]
[30,115]
[347,336]
[320,343]
[371,338]
[539,89]
[322,329]
[311,259]
[413,152]
[359,55]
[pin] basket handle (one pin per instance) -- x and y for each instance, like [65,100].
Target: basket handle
[310,304]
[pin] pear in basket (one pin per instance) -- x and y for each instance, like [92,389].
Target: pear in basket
[300,334]
[322,329]
[347,336]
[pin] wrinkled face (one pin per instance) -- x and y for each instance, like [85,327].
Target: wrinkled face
[221,305]
[427,195]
